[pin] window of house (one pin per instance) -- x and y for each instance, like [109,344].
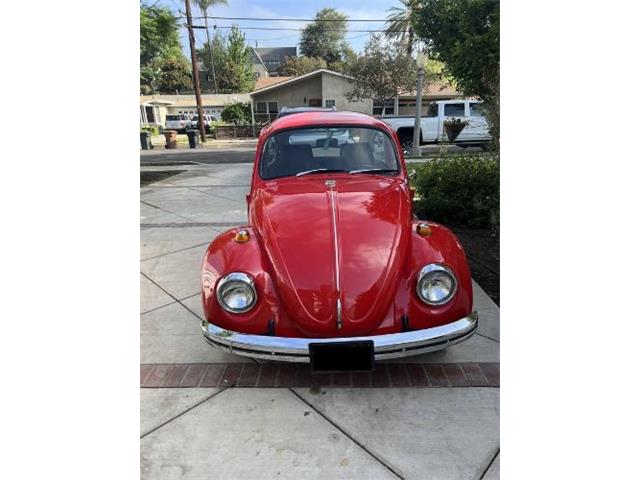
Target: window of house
[273,107]
[261,107]
[329,103]
[389,107]
[454,110]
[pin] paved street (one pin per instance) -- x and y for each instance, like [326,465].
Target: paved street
[208,414]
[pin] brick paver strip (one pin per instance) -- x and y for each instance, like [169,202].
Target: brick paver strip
[436,374]
[386,375]
[474,374]
[231,374]
[174,375]
[491,372]
[398,375]
[194,375]
[286,375]
[268,375]
[455,375]
[417,376]
[145,371]
[342,379]
[213,375]
[249,376]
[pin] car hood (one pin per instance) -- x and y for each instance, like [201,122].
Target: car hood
[337,246]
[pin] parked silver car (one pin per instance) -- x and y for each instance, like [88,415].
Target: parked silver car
[178,121]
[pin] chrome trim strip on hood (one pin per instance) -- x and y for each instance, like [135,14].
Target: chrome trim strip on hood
[336,251]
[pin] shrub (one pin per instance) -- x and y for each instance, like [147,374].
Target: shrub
[237,114]
[459,190]
[154,129]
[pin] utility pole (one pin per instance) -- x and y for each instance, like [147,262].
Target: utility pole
[416,125]
[213,67]
[194,69]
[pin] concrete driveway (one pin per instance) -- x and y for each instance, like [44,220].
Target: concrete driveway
[208,414]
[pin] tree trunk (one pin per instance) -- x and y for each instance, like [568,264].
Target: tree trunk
[410,42]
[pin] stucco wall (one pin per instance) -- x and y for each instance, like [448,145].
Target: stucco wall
[336,88]
[292,95]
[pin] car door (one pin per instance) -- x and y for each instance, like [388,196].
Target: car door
[430,124]
[478,128]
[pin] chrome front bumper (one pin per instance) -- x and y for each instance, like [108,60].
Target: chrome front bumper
[393,345]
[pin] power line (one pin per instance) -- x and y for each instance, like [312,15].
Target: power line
[257,19]
[295,29]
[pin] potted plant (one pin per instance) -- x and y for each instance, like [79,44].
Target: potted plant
[453,127]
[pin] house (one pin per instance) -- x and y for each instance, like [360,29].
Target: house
[155,108]
[272,58]
[325,88]
[320,88]
[259,68]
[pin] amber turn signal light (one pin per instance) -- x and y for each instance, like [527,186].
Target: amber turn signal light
[242,236]
[423,230]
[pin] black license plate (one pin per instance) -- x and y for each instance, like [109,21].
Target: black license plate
[335,357]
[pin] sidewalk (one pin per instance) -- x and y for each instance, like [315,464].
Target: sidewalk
[206,413]
[158,142]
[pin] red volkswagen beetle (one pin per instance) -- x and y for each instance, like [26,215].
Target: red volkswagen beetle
[332,268]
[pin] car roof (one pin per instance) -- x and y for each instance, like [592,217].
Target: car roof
[320,119]
[289,110]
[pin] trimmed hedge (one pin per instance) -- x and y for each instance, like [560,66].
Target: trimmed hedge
[459,190]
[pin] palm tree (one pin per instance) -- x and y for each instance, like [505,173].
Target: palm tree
[399,24]
[203,5]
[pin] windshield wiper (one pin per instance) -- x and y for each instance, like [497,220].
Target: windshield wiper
[319,170]
[372,170]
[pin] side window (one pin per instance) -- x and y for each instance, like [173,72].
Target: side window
[476,109]
[432,110]
[454,110]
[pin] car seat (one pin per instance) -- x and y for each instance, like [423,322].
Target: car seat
[355,156]
[293,159]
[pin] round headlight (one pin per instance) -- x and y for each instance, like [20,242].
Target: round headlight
[236,293]
[436,284]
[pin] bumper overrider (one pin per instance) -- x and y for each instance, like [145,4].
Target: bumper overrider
[392,345]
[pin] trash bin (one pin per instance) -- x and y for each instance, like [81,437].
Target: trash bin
[145,140]
[193,138]
[171,136]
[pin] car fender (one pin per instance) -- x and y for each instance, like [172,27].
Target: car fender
[225,255]
[440,246]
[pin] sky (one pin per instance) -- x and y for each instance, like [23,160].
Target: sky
[354,9]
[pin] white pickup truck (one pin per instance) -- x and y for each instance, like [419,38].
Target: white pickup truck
[432,124]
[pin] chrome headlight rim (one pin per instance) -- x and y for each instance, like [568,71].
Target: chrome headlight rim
[429,270]
[235,277]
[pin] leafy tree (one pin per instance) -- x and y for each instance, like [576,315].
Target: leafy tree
[204,5]
[465,35]
[160,50]
[174,74]
[399,26]
[325,36]
[295,66]
[232,62]
[237,114]
[158,34]
[381,72]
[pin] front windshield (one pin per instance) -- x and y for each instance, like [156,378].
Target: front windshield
[329,149]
